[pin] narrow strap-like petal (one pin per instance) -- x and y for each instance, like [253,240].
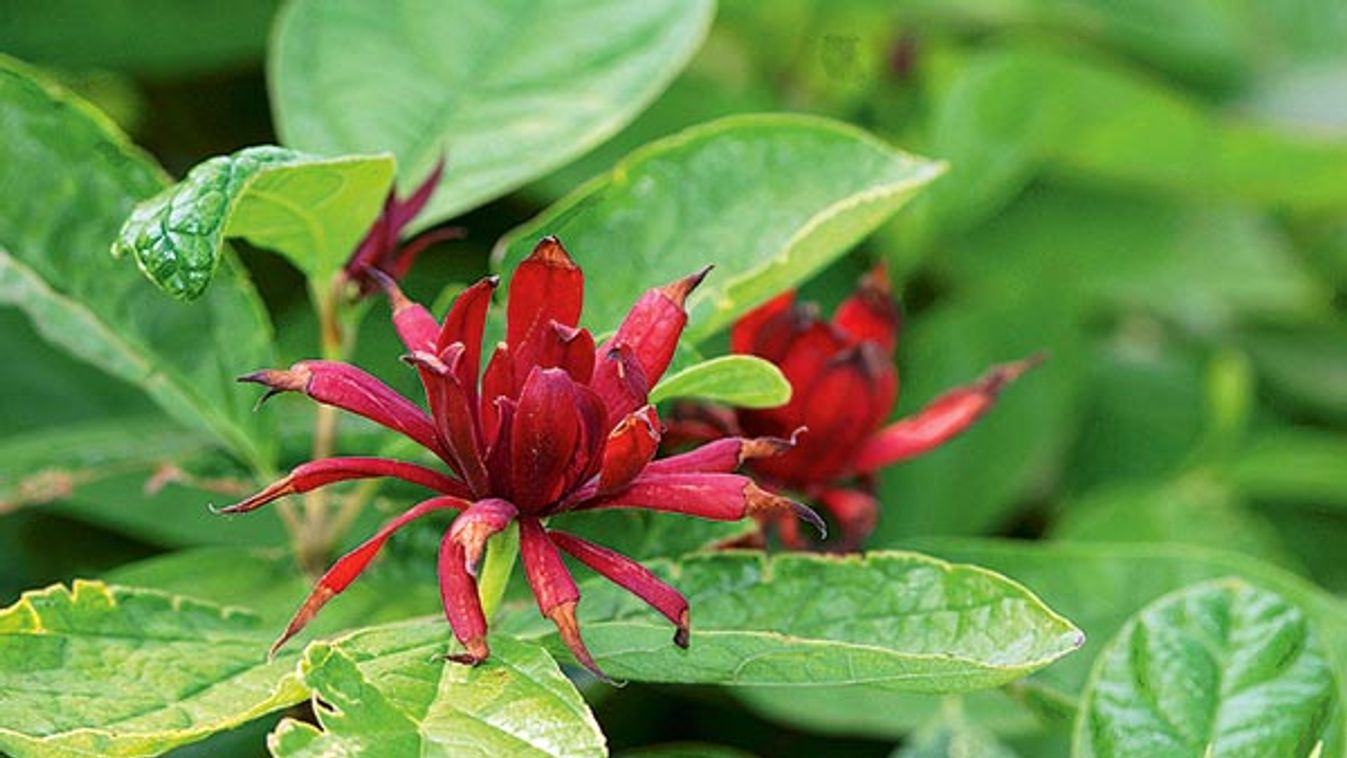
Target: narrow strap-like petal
[629,447]
[943,419]
[554,589]
[462,604]
[631,576]
[464,324]
[314,474]
[454,417]
[620,382]
[498,381]
[415,325]
[718,497]
[653,325]
[721,456]
[351,565]
[547,286]
[855,512]
[870,314]
[347,387]
[402,212]
[477,524]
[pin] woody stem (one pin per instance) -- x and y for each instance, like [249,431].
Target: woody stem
[501,551]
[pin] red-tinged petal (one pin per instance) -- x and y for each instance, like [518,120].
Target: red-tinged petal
[808,351]
[409,251]
[462,604]
[554,589]
[498,381]
[855,512]
[401,212]
[544,439]
[314,474]
[718,497]
[629,447]
[594,428]
[721,456]
[620,382]
[347,387]
[415,326]
[499,464]
[744,334]
[631,576]
[464,324]
[547,286]
[653,325]
[870,314]
[691,423]
[349,566]
[454,416]
[477,524]
[568,348]
[779,330]
[943,419]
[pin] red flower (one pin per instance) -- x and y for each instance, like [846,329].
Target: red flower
[844,386]
[382,250]
[555,425]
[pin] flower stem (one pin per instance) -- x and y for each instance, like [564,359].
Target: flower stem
[501,551]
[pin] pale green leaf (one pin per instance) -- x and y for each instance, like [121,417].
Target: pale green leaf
[1216,669]
[103,671]
[698,197]
[312,210]
[506,90]
[899,621]
[69,180]
[745,381]
[389,691]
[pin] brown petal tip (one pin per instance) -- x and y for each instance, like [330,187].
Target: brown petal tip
[762,502]
[475,651]
[425,360]
[681,636]
[765,447]
[563,615]
[277,381]
[551,252]
[1002,375]
[678,291]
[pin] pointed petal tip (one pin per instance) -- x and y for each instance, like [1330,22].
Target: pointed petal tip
[551,252]
[563,615]
[762,502]
[425,360]
[1000,376]
[766,447]
[683,634]
[678,291]
[475,651]
[809,515]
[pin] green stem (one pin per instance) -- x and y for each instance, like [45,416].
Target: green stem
[501,551]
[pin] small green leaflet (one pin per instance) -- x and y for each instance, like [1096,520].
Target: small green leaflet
[312,210]
[745,381]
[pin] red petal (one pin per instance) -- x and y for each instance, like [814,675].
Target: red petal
[544,439]
[349,566]
[554,589]
[568,348]
[744,334]
[870,314]
[454,416]
[314,474]
[855,512]
[497,381]
[499,464]
[547,286]
[653,325]
[462,604]
[594,428]
[414,324]
[721,456]
[807,351]
[718,497]
[464,324]
[937,423]
[629,447]
[401,212]
[620,382]
[631,576]
[476,525]
[347,387]
[408,252]
[841,408]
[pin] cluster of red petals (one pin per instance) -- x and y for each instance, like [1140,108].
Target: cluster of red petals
[844,385]
[382,250]
[555,424]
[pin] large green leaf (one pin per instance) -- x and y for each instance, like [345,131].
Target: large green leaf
[1216,669]
[507,90]
[953,735]
[389,691]
[1306,366]
[899,621]
[744,381]
[69,180]
[643,534]
[311,210]
[111,671]
[700,197]
[1289,464]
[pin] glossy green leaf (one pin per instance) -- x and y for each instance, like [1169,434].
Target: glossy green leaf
[507,91]
[69,180]
[312,210]
[111,671]
[389,691]
[1216,669]
[269,584]
[697,197]
[899,621]
[170,38]
[744,381]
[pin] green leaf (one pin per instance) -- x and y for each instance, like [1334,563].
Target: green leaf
[112,671]
[312,210]
[745,381]
[698,197]
[952,735]
[268,583]
[389,689]
[54,236]
[1293,465]
[508,91]
[643,534]
[170,38]
[898,621]
[1221,668]
[1306,366]
[685,750]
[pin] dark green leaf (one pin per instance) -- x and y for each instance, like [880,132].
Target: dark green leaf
[1293,465]
[744,381]
[112,671]
[1221,668]
[508,91]
[312,210]
[697,196]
